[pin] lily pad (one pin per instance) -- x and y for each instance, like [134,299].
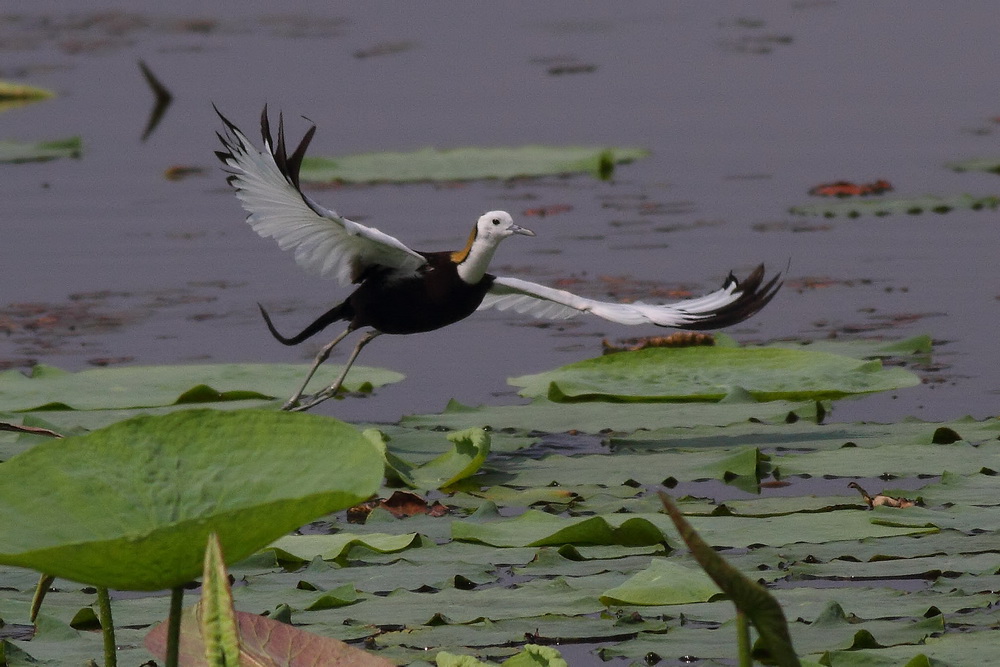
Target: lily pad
[463,164]
[710,373]
[545,415]
[49,388]
[17,151]
[129,506]
[910,206]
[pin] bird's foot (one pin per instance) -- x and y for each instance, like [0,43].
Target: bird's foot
[301,404]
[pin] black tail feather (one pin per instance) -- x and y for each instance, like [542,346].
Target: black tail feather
[338,312]
[753,297]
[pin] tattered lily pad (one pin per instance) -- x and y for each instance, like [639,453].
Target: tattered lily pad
[710,373]
[909,206]
[50,388]
[461,164]
[463,459]
[17,151]
[129,506]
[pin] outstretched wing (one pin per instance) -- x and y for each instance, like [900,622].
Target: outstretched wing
[325,243]
[734,302]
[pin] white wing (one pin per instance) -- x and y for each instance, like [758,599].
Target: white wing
[733,302]
[325,243]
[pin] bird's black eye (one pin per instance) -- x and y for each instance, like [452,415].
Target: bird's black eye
[496,221]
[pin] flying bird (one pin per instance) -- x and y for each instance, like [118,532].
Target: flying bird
[404,291]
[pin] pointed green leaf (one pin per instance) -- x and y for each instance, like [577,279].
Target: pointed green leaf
[215,610]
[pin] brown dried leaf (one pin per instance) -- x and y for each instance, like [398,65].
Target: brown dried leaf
[676,339]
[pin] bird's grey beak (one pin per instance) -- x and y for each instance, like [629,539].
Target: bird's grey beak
[521,230]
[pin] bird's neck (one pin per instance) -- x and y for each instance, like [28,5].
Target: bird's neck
[473,261]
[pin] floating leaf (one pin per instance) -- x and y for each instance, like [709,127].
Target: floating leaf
[709,373]
[883,207]
[461,164]
[128,506]
[663,583]
[16,151]
[534,528]
[49,388]
[303,548]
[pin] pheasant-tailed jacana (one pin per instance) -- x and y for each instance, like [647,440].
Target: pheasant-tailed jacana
[402,291]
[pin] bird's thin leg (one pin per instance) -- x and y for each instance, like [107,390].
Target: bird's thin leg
[322,356]
[332,390]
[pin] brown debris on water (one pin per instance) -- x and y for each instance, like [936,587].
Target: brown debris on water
[880,500]
[400,504]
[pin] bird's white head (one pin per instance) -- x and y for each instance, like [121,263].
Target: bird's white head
[495,226]
[491,228]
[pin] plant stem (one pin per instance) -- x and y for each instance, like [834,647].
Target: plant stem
[174,627]
[107,627]
[743,639]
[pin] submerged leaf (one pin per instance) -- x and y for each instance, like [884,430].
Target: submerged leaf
[460,164]
[129,506]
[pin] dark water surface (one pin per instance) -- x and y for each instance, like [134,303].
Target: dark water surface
[745,108]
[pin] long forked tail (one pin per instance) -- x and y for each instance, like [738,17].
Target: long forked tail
[338,312]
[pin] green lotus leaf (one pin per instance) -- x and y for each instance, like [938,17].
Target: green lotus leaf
[130,506]
[463,164]
[708,373]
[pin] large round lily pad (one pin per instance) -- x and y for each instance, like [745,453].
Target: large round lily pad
[710,373]
[131,506]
